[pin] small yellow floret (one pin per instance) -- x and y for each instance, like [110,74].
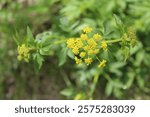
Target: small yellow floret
[75,50]
[84,36]
[87,29]
[92,43]
[82,54]
[88,61]
[86,48]
[102,64]
[70,43]
[78,43]
[97,37]
[90,52]
[78,61]
[104,45]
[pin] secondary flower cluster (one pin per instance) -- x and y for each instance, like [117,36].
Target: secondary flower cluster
[23,53]
[86,47]
[130,36]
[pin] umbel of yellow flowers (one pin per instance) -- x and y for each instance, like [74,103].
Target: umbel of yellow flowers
[86,47]
[23,53]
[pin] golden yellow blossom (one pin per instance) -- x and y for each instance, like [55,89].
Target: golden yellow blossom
[90,52]
[82,54]
[102,64]
[78,43]
[78,61]
[75,50]
[87,29]
[97,37]
[84,36]
[104,45]
[88,60]
[92,43]
[86,48]
[70,43]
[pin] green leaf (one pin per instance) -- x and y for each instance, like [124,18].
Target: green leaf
[116,68]
[38,60]
[117,92]
[30,38]
[130,79]
[117,83]
[70,54]
[46,51]
[62,56]
[140,56]
[107,29]
[44,39]
[119,23]
[140,82]
[16,37]
[109,89]
[126,52]
[147,59]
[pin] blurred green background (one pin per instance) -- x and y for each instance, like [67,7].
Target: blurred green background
[18,80]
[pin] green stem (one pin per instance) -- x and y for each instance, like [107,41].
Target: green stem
[114,41]
[98,58]
[93,87]
[60,41]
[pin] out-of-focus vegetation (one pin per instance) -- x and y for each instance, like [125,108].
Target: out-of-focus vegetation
[119,80]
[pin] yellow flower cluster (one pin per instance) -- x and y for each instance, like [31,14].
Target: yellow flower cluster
[131,33]
[104,45]
[23,53]
[86,47]
[96,37]
[130,36]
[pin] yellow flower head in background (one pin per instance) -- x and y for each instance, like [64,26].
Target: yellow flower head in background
[104,45]
[23,53]
[102,64]
[87,29]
